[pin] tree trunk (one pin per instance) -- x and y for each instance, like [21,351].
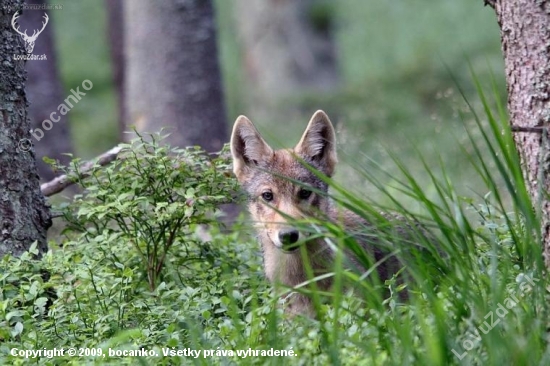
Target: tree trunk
[172,72]
[24,215]
[115,24]
[525,32]
[288,49]
[45,92]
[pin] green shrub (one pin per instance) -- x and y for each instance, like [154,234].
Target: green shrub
[153,198]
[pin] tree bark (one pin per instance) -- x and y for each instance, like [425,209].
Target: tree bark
[24,215]
[45,92]
[172,73]
[525,36]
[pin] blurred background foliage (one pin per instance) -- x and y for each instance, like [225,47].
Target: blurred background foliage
[399,64]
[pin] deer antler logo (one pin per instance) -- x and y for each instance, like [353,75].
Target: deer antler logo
[29,40]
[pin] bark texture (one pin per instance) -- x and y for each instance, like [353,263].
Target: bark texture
[525,32]
[45,92]
[172,73]
[24,215]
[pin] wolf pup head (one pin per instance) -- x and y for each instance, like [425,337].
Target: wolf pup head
[270,177]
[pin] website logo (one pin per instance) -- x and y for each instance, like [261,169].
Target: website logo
[29,40]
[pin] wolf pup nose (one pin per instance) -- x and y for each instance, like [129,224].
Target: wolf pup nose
[281,185]
[289,238]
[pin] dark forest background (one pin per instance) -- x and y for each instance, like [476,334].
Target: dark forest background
[386,73]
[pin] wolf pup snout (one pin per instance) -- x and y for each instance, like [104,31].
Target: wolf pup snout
[289,238]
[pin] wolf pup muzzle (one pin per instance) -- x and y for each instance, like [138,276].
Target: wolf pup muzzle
[289,239]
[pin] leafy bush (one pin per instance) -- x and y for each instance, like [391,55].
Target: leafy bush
[153,198]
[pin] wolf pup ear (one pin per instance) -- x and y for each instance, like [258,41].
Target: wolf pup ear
[247,147]
[319,143]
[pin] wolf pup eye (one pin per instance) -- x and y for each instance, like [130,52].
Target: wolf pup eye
[304,194]
[267,196]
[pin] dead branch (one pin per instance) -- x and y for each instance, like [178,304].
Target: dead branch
[60,183]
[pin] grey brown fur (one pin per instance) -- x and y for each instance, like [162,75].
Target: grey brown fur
[261,170]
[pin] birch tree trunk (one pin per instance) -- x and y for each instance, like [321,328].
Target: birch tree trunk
[24,215]
[525,36]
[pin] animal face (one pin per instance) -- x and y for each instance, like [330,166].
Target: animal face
[279,185]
